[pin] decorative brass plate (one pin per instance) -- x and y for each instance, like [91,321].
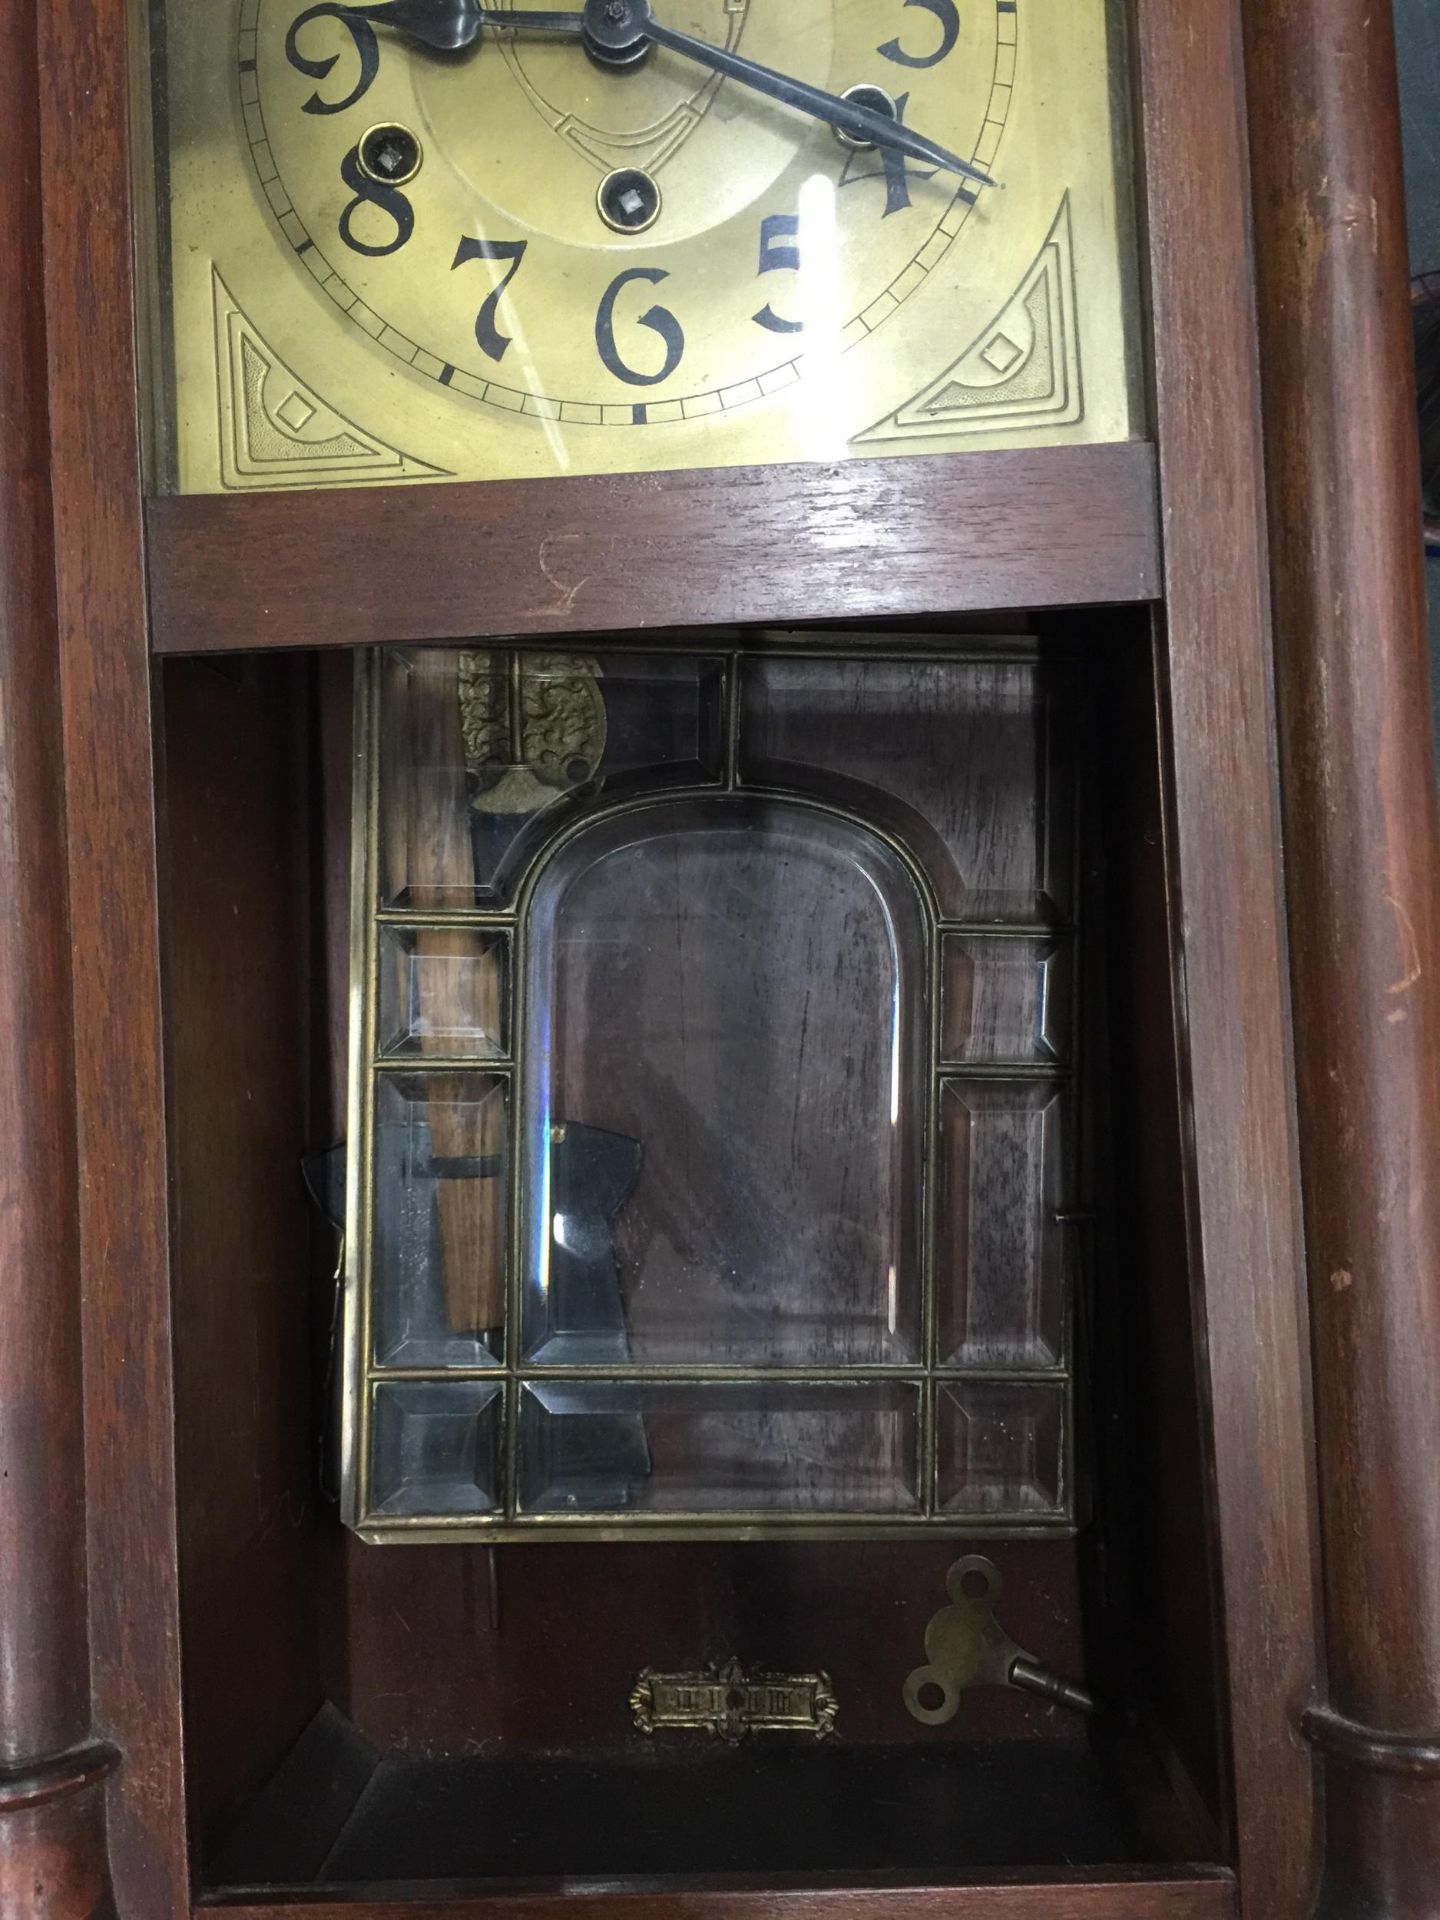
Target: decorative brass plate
[729,1704]
[533,724]
[464,310]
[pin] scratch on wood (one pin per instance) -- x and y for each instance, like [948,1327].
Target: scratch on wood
[565,597]
[1411,945]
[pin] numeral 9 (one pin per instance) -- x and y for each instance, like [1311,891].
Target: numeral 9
[367,46]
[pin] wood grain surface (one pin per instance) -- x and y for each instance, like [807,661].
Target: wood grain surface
[104,686]
[1363,862]
[1196,1894]
[1227,930]
[52,1840]
[1155,1537]
[1059,527]
[470,1216]
[236,938]
[877,541]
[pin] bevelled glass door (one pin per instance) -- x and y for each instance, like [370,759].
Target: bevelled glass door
[715,1090]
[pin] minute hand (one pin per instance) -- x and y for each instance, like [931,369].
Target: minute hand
[861,123]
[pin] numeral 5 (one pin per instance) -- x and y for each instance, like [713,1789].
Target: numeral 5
[778,254]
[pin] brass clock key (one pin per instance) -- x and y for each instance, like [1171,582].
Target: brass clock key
[966,1646]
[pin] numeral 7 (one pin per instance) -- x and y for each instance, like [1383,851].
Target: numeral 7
[487,335]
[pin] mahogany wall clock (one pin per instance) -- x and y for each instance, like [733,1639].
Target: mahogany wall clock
[720,864]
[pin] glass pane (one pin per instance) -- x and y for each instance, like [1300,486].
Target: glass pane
[725,1092]
[818,303]
[443,992]
[1000,1449]
[732,1447]
[441,1204]
[1006,1000]
[481,751]
[958,760]
[1002,1265]
[435,1447]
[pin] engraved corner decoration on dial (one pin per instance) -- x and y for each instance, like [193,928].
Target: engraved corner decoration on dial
[276,431]
[1023,370]
[443,362]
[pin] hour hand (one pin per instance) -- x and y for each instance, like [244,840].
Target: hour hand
[617,33]
[447,26]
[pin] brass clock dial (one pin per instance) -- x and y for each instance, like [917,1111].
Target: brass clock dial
[528,255]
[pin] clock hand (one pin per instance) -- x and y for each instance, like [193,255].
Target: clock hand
[614,29]
[862,123]
[447,26]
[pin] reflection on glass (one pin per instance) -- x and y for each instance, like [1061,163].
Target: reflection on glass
[724,1447]
[443,993]
[726,1092]
[482,753]
[821,306]
[436,1447]
[1000,1449]
[957,759]
[1002,1250]
[790,943]
[1006,1000]
[441,1187]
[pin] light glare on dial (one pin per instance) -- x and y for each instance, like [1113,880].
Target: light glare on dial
[821,305]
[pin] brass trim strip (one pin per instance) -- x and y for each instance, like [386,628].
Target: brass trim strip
[637,1373]
[683,1529]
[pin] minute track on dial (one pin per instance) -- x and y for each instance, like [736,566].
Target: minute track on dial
[793,300]
[618,33]
[846,116]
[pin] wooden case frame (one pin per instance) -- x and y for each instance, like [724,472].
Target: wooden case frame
[1292,665]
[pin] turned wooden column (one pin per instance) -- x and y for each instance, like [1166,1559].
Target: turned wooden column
[1363,875]
[52,1837]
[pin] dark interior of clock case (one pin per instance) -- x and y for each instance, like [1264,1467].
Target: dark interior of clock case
[460,1712]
